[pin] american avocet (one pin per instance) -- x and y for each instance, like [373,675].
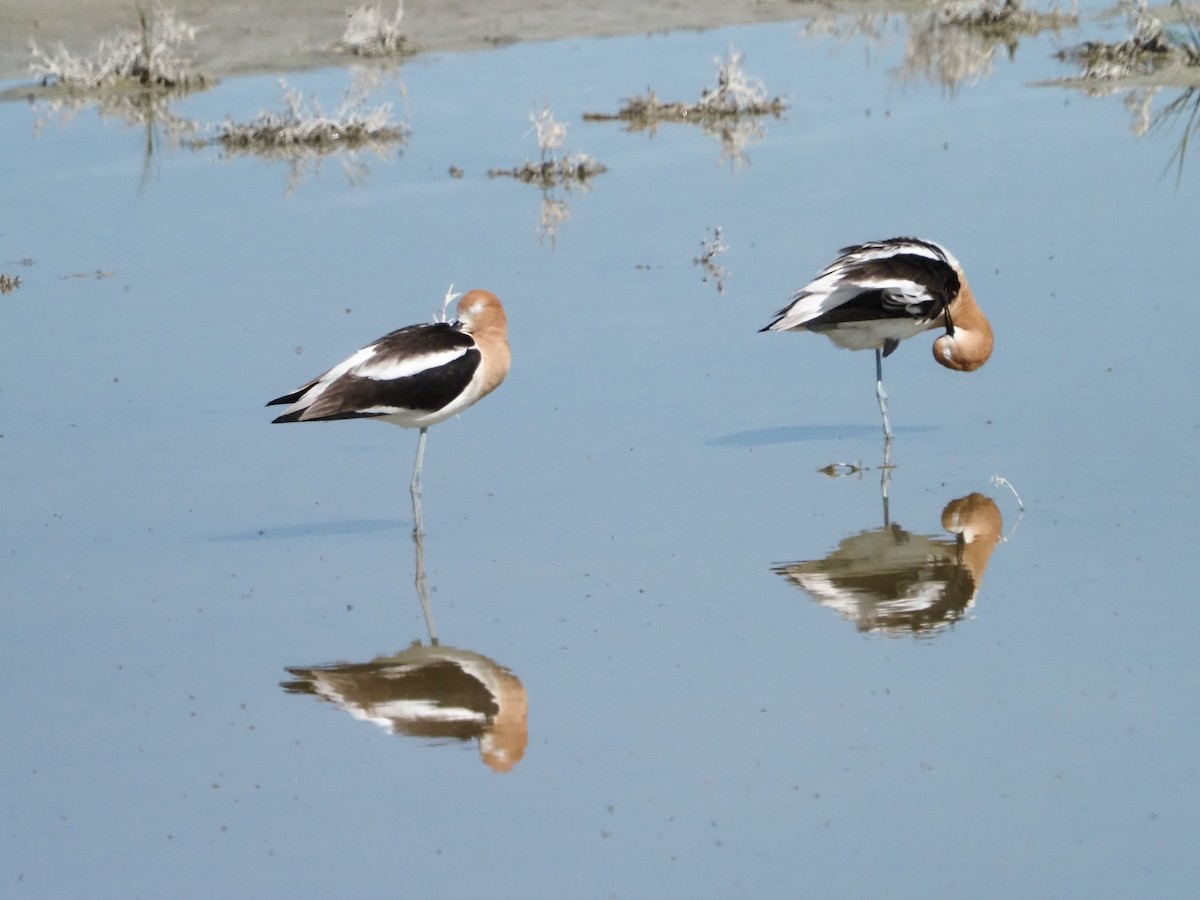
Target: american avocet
[414,377]
[875,295]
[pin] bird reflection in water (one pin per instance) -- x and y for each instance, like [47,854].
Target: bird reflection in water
[432,692]
[898,583]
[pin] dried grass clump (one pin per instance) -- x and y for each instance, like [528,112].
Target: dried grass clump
[302,125]
[302,136]
[731,111]
[552,171]
[147,57]
[736,95]
[370,33]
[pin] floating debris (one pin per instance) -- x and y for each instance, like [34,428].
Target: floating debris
[9,283]
[842,469]
[370,33]
[147,57]
[98,275]
[710,248]
[551,172]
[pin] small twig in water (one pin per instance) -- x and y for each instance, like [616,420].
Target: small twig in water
[1001,481]
[842,469]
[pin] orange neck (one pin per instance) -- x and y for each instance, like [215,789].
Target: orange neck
[970,345]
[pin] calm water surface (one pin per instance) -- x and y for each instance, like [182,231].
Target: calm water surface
[743,677]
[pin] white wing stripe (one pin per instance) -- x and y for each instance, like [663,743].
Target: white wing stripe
[388,369]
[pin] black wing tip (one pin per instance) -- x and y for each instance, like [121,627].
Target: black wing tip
[299,416]
[290,396]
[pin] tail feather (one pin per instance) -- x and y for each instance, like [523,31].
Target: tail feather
[293,416]
[286,398]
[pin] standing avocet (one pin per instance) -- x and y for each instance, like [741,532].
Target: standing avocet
[414,377]
[877,294]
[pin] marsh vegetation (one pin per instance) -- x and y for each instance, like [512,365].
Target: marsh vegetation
[150,56]
[302,125]
[370,32]
[731,110]
[551,169]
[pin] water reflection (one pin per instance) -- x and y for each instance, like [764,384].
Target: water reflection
[950,43]
[555,174]
[898,583]
[1156,54]
[301,135]
[431,692]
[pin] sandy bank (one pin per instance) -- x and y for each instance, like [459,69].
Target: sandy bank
[286,35]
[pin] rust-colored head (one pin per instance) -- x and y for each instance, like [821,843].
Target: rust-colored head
[481,311]
[482,317]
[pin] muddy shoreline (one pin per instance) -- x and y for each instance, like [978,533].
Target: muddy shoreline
[289,35]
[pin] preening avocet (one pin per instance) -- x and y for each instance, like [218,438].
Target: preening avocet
[414,377]
[877,294]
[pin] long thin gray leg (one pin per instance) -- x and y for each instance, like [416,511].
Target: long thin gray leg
[418,536]
[415,486]
[882,395]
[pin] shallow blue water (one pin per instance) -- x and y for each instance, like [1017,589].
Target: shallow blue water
[605,525]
